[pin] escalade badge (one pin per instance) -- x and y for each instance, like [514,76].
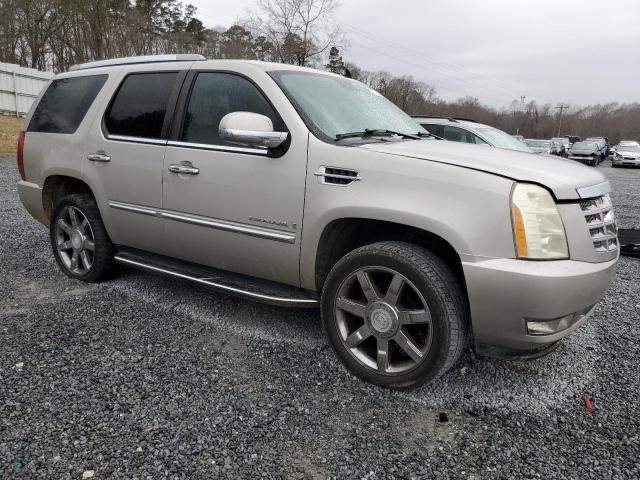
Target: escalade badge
[269,221]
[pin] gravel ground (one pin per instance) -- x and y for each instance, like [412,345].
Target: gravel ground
[147,377]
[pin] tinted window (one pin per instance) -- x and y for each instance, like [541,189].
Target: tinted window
[456,134]
[212,97]
[65,103]
[139,107]
[437,130]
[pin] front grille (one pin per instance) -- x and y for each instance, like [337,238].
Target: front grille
[598,214]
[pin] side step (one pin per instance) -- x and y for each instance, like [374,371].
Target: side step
[259,290]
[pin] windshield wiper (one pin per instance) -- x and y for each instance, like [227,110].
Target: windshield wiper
[428,134]
[375,132]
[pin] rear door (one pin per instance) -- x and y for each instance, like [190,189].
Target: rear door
[124,155]
[242,210]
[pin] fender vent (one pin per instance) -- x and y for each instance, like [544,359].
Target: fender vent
[337,176]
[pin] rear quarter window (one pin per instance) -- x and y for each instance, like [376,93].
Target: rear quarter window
[65,103]
[140,105]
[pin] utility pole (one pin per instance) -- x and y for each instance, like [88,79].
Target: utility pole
[562,107]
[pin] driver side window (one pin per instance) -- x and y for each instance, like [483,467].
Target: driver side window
[212,97]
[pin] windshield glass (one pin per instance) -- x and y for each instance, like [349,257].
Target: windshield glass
[629,148]
[538,143]
[585,146]
[334,105]
[501,139]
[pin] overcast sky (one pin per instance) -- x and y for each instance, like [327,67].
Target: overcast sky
[574,51]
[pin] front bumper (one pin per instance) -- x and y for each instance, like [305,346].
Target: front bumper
[505,293]
[31,197]
[626,162]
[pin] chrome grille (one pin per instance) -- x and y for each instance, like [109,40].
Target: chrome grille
[598,214]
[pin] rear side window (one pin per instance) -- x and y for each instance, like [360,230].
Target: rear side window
[65,103]
[140,105]
[216,94]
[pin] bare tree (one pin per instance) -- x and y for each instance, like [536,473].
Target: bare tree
[299,30]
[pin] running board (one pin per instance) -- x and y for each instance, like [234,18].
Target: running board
[259,290]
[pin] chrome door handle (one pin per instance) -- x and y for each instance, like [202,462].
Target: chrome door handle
[99,156]
[182,168]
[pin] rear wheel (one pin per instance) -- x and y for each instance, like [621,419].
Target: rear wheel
[79,239]
[395,314]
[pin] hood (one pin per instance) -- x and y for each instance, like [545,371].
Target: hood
[628,153]
[561,176]
[540,149]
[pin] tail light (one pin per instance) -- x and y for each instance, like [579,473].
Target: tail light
[21,155]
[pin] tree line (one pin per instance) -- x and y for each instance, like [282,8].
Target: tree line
[55,34]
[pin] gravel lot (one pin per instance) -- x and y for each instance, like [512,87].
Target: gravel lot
[146,377]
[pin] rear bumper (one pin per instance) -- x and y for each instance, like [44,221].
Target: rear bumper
[31,197]
[505,293]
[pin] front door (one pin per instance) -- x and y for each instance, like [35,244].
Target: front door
[234,208]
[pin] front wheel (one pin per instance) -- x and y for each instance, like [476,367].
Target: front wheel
[395,314]
[80,242]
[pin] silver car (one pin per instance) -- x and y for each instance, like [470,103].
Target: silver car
[626,156]
[468,131]
[543,147]
[302,188]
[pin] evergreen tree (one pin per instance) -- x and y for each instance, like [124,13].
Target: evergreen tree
[335,65]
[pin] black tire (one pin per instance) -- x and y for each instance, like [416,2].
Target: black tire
[440,289]
[102,265]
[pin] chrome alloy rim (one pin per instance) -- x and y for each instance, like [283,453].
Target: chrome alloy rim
[388,332]
[74,240]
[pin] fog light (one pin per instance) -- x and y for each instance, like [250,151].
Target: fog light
[549,326]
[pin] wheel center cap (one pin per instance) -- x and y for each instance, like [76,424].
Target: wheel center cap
[77,240]
[382,318]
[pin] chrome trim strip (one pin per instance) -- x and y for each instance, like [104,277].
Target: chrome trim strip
[125,138]
[218,148]
[594,190]
[268,234]
[127,207]
[230,227]
[333,175]
[218,286]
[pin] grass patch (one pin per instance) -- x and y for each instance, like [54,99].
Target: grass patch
[9,129]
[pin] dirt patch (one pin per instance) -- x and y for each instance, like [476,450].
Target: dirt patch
[9,129]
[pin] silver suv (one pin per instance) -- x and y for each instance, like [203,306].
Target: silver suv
[297,187]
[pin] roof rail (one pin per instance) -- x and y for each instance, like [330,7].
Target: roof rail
[180,57]
[451,119]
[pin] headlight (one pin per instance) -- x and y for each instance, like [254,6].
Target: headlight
[538,232]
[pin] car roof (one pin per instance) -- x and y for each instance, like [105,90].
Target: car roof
[467,123]
[151,62]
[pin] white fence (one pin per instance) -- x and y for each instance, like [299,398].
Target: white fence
[19,87]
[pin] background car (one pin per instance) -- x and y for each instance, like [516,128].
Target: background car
[572,139]
[603,145]
[627,155]
[539,146]
[587,152]
[468,131]
[560,146]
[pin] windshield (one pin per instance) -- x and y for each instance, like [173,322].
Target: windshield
[538,143]
[332,106]
[585,146]
[629,148]
[501,139]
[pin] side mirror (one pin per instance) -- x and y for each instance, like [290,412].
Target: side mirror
[250,130]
